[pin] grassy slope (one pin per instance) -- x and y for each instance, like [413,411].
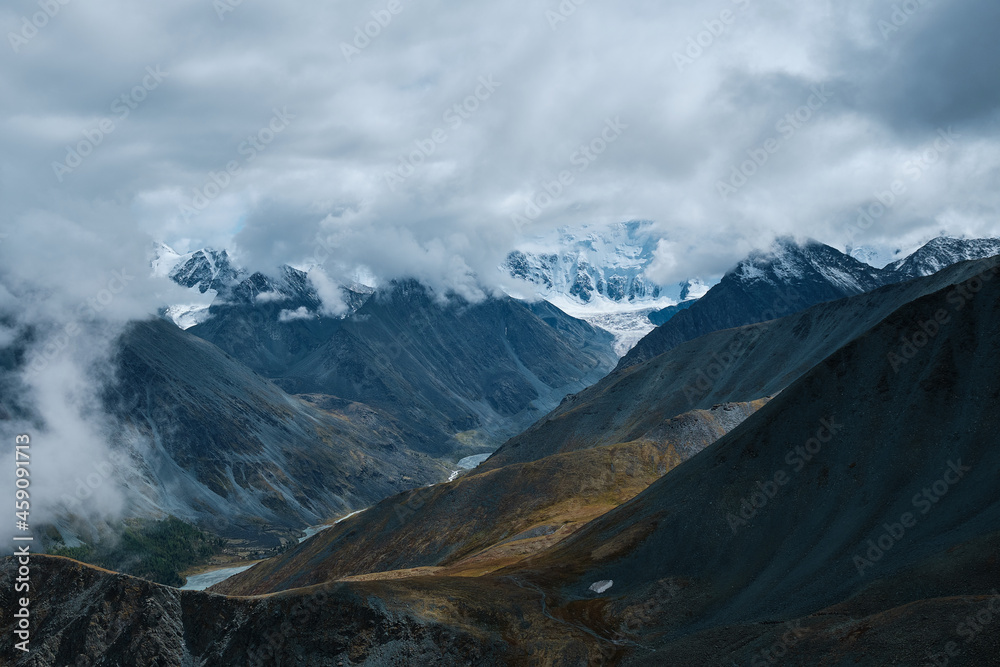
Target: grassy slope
[481,522]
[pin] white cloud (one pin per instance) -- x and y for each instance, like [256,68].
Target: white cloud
[300,313]
[330,294]
[324,176]
[270,297]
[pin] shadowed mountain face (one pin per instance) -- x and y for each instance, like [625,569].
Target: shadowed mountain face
[212,441]
[869,483]
[765,286]
[270,323]
[479,523]
[733,365]
[479,371]
[789,278]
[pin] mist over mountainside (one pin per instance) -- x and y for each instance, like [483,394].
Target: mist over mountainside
[282,328]
[527,334]
[459,377]
[216,444]
[268,323]
[789,277]
[595,273]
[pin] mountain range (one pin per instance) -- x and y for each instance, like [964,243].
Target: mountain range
[457,377]
[791,276]
[799,465]
[850,518]
[641,421]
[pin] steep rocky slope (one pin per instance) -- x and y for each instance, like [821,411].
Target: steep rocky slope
[865,493]
[269,323]
[725,366]
[441,368]
[206,270]
[767,285]
[213,442]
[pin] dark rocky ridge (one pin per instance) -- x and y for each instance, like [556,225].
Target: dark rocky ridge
[789,278]
[440,368]
[930,422]
[86,616]
[732,365]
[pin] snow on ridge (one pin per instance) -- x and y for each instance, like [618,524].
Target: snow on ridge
[186,316]
[165,259]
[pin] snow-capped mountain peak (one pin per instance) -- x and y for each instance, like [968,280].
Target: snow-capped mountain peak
[788,262]
[598,274]
[163,259]
[206,270]
[599,265]
[941,252]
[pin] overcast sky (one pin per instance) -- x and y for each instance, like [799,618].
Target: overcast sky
[266,127]
[670,97]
